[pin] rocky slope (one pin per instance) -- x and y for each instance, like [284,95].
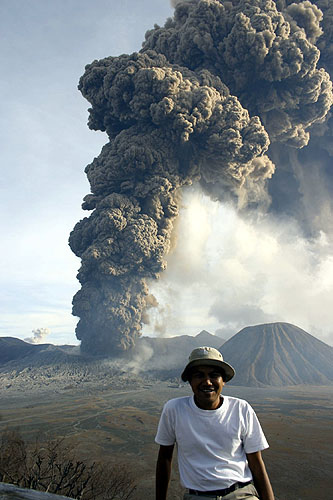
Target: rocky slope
[273,354]
[28,368]
[278,354]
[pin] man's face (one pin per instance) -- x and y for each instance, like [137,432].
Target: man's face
[207,384]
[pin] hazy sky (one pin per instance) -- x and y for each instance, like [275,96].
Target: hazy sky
[224,273]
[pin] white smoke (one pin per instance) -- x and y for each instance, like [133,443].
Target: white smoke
[39,335]
[142,356]
[228,272]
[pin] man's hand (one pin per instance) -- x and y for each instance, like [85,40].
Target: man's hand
[163,471]
[260,476]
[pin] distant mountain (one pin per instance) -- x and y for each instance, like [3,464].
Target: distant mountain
[205,338]
[17,351]
[169,355]
[12,348]
[155,353]
[278,354]
[275,354]
[30,367]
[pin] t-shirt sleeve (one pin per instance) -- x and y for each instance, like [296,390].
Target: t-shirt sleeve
[165,432]
[253,438]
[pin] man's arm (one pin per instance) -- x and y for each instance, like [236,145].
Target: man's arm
[163,471]
[260,476]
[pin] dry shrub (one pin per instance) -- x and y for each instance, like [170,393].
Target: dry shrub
[53,467]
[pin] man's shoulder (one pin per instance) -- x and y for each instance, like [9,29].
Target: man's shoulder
[236,402]
[178,402]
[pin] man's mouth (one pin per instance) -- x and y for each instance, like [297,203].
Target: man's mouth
[207,390]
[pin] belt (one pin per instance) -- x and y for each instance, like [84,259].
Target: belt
[220,493]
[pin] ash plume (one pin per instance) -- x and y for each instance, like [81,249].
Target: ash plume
[303,183]
[277,58]
[201,102]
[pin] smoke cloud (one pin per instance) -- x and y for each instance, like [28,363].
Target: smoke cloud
[38,336]
[229,271]
[221,93]
[303,182]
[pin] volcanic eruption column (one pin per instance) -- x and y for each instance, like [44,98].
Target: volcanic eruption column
[201,102]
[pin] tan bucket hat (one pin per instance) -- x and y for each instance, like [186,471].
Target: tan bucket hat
[208,356]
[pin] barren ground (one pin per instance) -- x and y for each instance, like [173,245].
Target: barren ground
[120,424]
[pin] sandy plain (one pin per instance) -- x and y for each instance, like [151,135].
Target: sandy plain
[119,425]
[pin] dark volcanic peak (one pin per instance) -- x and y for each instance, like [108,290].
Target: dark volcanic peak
[278,354]
[205,337]
[15,350]
[12,348]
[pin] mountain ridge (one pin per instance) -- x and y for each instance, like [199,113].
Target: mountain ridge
[278,354]
[272,354]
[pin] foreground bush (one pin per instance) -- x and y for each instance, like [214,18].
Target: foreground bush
[52,467]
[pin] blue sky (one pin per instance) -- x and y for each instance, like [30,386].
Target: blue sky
[46,144]
[225,273]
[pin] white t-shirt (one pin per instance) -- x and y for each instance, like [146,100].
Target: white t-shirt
[211,444]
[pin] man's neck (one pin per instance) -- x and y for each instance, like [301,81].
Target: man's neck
[206,406]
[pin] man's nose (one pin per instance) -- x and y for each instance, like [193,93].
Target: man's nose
[207,380]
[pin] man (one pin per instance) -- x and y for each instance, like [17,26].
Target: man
[219,439]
